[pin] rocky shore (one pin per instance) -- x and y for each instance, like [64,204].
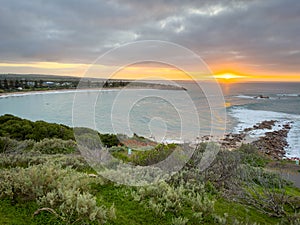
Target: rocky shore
[272,143]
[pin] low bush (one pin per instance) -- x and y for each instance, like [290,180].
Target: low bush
[222,174]
[8,145]
[267,192]
[150,157]
[251,156]
[74,161]
[164,198]
[55,146]
[63,192]
[109,140]
[21,160]
[74,206]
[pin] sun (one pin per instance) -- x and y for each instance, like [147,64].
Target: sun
[227,77]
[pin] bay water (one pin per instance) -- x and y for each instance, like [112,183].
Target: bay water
[166,115]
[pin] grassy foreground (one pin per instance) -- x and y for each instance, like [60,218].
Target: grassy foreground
[44,180]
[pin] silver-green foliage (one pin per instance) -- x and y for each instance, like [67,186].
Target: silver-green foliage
[179,221]
[267,192]
[63,190]
[163,198]
[54,146]
[8,145]
[75,206]
[75,161]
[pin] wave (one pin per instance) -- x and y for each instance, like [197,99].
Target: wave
[248,118]
[7,95]
[256,97]
[244,96]
[172,141]
[48,92]
[288,95]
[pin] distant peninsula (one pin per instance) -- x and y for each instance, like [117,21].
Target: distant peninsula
[38,82]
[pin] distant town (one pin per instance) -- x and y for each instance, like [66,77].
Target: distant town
[35,82]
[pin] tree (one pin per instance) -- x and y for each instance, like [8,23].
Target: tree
[26,84]
[5,84]
[11,84]
[17,83]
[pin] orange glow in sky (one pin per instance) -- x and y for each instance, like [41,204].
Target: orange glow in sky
[238,74]
[229,77]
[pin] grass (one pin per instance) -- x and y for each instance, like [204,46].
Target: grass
[241,212]
[128,211]
[293,191]
[147,157]
[22,214]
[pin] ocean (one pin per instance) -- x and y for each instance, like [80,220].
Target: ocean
[167,115]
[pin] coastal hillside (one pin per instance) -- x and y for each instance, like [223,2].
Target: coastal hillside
[45,180]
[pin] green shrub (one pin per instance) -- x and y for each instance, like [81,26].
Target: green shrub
[179,221]
[8,145]
[267,192]
[163,198]
[22,129]
[150,157]
[263,178]
[222,173]
[21,160]
[109,140]
[30,183]
[54,146]
[63,192]
[251,156]
[74,161]
[74,206]
[117,149]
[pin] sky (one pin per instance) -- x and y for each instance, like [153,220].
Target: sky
[245,40]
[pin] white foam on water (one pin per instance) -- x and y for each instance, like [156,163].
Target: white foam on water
[245,96]
[8,95]
[247,118]
[49,92]
[173,141]
[293,138]
[254,97]
[289,95]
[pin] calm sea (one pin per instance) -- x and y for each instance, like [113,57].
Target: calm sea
[167,115]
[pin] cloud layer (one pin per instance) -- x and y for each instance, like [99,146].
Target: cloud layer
[257,35]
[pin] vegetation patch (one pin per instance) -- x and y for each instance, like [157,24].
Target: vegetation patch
[47,181]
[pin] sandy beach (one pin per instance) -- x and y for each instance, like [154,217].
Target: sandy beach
[147,86]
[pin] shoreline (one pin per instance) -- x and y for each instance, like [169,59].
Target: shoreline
[258,122]
[230,140]
[271,142]
[21,93]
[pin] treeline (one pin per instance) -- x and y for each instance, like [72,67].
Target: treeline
[115,83]
[22,129]
[27,84]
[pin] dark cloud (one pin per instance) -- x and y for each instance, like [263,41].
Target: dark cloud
[262,33]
